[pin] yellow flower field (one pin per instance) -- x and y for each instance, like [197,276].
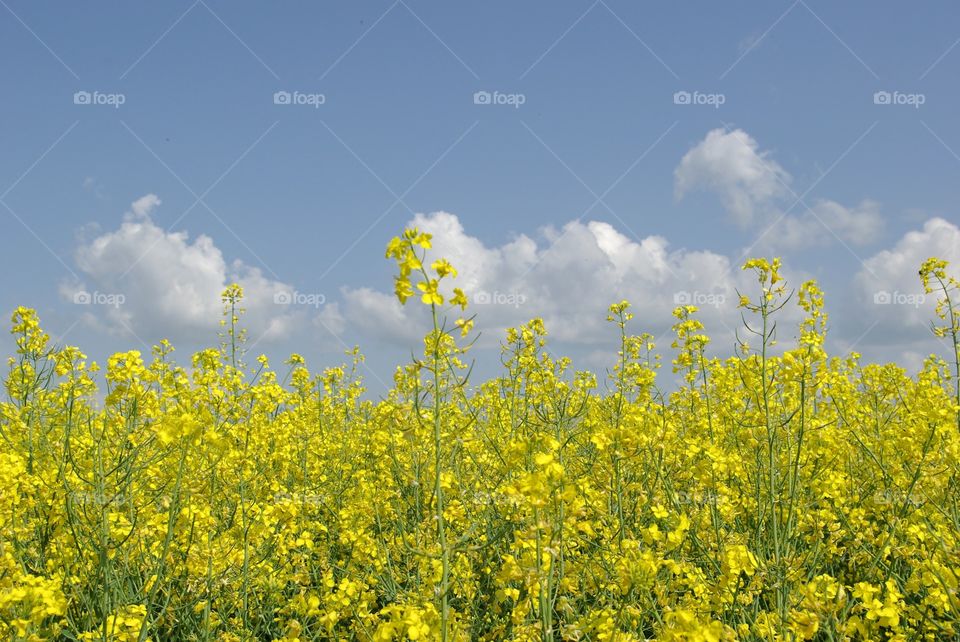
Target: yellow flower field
[780,494]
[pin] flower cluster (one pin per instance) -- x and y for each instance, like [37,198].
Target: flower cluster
[778,494]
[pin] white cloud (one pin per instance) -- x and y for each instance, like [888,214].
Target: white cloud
[569,275]
[144,206]
[569,279]
[732,165]
[158,284]
[756,192]
[886,307]
[889,285]
[826,221]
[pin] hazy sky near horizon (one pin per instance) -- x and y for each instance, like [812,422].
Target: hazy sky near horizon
[565,154]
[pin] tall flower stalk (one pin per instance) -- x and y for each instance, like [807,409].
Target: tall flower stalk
[409,251]
[933,274]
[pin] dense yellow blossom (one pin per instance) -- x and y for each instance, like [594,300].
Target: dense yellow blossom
[779,494]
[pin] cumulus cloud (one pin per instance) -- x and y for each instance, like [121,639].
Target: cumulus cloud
[568,276]
[889,284]
[144,206]
[732,165]
[755,190]
[144,280]
[170,286]
[828,220]
[885,311]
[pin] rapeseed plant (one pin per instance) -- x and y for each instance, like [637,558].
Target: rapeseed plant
[777,495]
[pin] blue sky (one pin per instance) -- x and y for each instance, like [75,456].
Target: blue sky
[598,186]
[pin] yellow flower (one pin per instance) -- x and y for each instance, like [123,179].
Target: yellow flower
[543,459]
[430,294]
[465,326]
[459,298]
[395,248]
[423,240]
[442,267]
[222,500]
[410,264]
[402,289]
